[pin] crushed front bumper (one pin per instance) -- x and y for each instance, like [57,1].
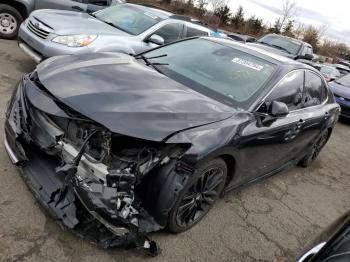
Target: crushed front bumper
[87,209]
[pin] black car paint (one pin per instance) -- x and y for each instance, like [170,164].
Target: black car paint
[251,149]
[335,241]
[160,106]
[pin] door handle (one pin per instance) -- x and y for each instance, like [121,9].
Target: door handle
[300,123]
[78,8]
[327,115]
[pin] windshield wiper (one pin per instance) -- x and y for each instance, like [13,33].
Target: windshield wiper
[149,63]
[115,26]
[276,46]
[264,43]
[281,48]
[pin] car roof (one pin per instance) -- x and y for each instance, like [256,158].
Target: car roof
[163,14]
[289,38]
[342,67]
[256,51]
[244,37]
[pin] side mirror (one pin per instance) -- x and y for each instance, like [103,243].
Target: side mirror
[93,8]
[278,109]
[306,57]
[156,39]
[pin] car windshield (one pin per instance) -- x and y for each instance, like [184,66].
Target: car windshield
[345,81]
[289,45]
[213,68]
[128,18]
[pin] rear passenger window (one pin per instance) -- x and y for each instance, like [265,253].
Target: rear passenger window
[314,90]
[195,32]
[289,90]
[170,32]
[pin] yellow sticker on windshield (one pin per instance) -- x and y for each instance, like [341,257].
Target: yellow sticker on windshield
[247,63]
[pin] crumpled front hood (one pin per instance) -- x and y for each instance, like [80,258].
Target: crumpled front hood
[70,23]
[128,97]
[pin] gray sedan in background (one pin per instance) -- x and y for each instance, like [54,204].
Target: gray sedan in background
[126,28]
[13,12]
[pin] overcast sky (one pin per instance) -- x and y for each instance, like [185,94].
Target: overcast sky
[335,14]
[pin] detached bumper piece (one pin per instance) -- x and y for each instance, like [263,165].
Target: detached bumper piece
[99,212]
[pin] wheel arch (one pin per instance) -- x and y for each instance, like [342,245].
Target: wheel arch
[20,7]
[230,156]
[230,162]
[330,131]
[162,186]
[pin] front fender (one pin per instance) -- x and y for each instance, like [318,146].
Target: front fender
[213,140]
[28,4]
[163,186]
[114,44]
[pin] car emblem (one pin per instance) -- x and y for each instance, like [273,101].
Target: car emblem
[37,25]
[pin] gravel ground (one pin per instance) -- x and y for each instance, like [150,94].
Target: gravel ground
[270,221]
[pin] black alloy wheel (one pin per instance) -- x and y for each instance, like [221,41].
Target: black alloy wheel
[315,151]
[198,196]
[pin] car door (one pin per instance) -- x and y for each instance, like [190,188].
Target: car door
[269,143]
[72,5]
[315,112]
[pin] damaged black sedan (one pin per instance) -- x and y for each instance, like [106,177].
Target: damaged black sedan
[117,146]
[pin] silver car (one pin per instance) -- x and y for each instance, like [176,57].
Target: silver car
[126,28]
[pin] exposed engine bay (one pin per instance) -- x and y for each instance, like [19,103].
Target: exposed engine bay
[94,179]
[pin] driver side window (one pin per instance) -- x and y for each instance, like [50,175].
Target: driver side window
[170,32]
[289,90]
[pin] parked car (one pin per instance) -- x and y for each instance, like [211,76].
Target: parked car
[117,146]
[343,70]
[13,12]
[126,28]
[329,72]
[344,63]
[286,46]
[341,91]
[241,38]
[332,245]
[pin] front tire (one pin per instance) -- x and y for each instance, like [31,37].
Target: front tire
[10,20]
[198,196]
[316,149]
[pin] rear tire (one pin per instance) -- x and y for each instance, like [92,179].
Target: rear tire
[198,195]
[10,21]
[316,149]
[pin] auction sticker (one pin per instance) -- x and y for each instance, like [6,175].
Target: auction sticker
[247,63]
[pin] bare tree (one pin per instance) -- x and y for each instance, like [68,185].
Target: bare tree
[311,36]
[299,30]
[216,4]
[322,29]
[289,11]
